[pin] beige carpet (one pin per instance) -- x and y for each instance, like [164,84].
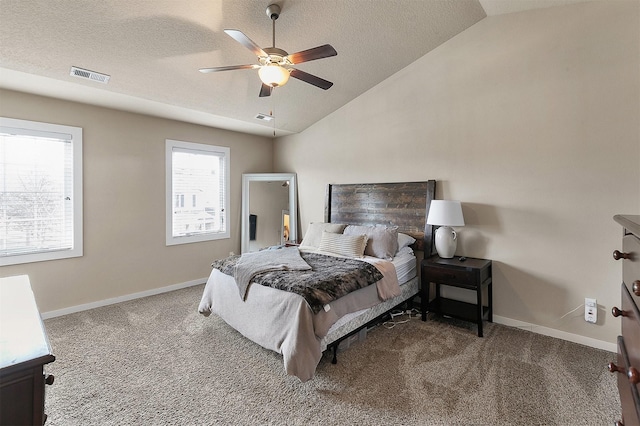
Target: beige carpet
[156,361]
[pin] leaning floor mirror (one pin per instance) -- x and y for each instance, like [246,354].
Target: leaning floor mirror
[269,210]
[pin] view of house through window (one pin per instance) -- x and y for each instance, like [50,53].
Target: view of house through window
[197,191]
[40,191]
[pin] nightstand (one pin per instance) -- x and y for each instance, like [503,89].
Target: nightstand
[472,274]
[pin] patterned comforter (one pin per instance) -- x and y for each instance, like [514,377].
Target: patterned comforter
[330,277]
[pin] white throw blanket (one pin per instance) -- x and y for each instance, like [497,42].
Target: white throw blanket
[251,264]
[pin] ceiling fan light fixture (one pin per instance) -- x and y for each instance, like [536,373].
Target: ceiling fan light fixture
[276,65]
[273,75]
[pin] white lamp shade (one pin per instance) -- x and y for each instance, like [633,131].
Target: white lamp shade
[273,75]
[445,213]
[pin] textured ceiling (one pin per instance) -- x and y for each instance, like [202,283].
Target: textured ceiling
[152,49]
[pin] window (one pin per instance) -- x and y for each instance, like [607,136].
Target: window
[40,191]
[199,173]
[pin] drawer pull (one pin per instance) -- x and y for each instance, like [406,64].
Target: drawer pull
[636,287]
[618,312]
[615,369]
[48,379]
[633,375]
[617,255]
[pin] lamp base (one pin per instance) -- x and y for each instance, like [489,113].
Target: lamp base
[446,242]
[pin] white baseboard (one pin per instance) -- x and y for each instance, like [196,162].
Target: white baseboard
[106,302]
[575,338]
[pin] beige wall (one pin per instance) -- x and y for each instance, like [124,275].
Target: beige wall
[124,203]
[532,120]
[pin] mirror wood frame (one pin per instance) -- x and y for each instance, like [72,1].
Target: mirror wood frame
[247,178]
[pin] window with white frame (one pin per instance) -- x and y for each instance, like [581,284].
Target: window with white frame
[197,185]
[40,191]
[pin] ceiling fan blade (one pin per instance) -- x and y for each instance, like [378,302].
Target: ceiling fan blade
[229,68]
[239,36]
[312,54]
[265,90]
[311,79]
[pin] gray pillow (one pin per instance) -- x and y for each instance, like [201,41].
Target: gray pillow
[382,239]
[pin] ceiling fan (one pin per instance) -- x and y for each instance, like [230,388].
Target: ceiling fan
[274,64]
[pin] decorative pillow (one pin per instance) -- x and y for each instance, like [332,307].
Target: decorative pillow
[344,245]
[314,232]
[404,240]
[383,240]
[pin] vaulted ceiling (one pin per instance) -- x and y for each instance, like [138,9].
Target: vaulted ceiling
[152,50]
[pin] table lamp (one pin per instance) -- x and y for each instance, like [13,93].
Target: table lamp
[445,214]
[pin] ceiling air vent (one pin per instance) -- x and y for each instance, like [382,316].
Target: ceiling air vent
[265,117]
[89,75]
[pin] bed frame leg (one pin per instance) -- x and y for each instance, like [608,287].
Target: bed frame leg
[335,355]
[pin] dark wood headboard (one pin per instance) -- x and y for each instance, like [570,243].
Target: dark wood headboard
[404,204]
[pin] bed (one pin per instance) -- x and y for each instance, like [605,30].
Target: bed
[286,322]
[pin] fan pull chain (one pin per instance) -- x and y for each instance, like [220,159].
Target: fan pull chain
[274,121]
[273,109]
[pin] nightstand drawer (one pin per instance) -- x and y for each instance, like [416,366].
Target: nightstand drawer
[449,275]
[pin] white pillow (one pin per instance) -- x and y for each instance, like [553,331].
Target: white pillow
[404,240]
[344,245]
[314,233]
[405,251]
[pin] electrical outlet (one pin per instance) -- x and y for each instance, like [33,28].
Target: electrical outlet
[590,310]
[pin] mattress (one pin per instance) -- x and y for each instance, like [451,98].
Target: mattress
[405,265]
[355,320]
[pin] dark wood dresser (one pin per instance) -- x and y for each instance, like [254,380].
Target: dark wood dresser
[24,350]
[627,365]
